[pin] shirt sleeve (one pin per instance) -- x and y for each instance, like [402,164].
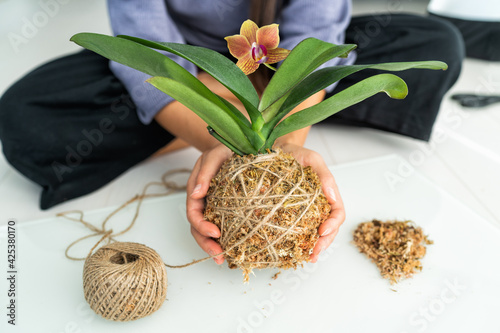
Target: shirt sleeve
[326,20]
[149,20]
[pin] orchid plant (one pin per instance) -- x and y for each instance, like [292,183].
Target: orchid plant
[293,82]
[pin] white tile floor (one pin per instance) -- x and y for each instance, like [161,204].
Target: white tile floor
[463,157]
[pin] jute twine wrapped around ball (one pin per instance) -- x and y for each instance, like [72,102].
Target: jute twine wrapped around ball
[268,208]
[124,281]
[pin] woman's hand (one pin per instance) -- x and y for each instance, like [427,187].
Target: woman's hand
[204,170]
[209,164]
[328,229]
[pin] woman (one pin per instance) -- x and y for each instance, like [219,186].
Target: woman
[73,125]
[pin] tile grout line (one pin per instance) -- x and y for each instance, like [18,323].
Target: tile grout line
[329,149]
[471,192]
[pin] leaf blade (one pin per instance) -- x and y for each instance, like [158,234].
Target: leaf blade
[302,60]
[215,64]
[326,76]
[210,112]
[153,63]
[391,84]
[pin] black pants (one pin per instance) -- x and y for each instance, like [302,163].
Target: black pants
[71,126]
[482,38]
[389,38]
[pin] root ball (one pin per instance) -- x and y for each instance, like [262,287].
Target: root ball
[268,208]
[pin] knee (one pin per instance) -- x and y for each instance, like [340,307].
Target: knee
[446,43]
[20,123]
[9,116]
[11,126]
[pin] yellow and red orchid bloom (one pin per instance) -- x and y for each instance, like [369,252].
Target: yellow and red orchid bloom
[254,46]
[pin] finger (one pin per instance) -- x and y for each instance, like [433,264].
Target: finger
[328,230]
[208,245]
[333,222]
[328,184]
[322,244]
[337,214]
[210,165]
[205,228]
[330,189]
[195,208]
[329,226]
[191,183]
[313,159]
[318,164]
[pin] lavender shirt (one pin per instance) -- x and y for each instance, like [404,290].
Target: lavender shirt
[206,23]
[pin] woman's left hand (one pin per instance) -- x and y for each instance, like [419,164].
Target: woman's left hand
[198,183]
[328,229]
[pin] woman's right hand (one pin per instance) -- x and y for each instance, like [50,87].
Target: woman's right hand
[204,170]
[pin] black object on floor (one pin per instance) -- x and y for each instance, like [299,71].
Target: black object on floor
[475,101]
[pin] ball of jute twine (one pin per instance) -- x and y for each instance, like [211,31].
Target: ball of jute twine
[124,281]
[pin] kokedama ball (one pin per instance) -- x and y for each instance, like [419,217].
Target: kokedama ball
[124,281]
[268,208]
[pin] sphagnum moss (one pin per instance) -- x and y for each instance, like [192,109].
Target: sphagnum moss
[396,247]
[268,208]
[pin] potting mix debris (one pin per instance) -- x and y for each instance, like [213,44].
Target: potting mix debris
[396,247]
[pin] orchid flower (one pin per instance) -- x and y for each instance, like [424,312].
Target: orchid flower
[255,46]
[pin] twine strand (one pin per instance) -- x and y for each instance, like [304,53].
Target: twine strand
[170,186]
[110,236]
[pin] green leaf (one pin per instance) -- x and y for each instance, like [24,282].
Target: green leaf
[322,78]
[207,110]
[224,141]
[218,66]
[151,62]
[255,137]
[391,84]
[302,60]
